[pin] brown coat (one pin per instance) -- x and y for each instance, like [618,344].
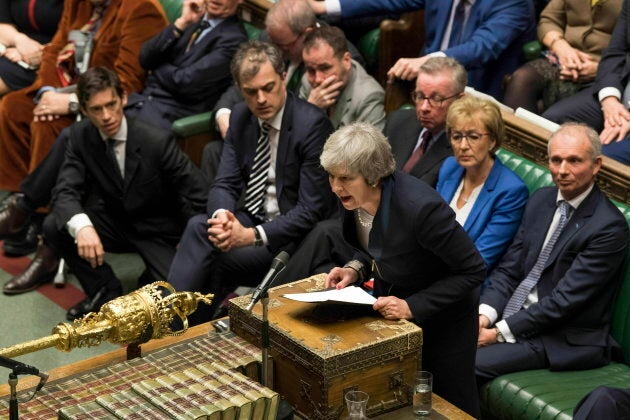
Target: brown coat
[126,25]
[586,29]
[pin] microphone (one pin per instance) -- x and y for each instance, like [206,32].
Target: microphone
[20,368]
[277,265]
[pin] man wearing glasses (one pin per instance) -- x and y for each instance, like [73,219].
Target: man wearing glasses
[419,141]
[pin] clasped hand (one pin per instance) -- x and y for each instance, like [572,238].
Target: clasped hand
[226,232]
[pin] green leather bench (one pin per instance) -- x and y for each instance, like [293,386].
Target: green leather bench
[542,394]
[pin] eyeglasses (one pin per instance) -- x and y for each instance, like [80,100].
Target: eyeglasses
[434,100]
[470,136]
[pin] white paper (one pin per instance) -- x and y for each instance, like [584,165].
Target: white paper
[350,294]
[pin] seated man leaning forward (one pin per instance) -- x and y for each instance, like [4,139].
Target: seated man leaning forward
[425,267]
[552,292]
[271,157]
[124,186]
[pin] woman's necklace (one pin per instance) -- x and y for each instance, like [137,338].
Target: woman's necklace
[369,219]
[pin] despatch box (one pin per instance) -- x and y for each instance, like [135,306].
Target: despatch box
[321,351]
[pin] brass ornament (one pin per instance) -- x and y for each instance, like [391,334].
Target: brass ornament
[144,314]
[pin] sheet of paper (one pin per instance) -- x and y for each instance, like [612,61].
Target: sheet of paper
[350,294]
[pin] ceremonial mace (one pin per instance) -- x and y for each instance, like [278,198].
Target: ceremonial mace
[132,319]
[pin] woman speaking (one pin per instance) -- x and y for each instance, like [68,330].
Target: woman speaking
[425,267]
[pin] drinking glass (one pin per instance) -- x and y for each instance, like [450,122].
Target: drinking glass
[422,390]
[356,401]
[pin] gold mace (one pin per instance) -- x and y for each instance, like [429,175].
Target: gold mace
[137,317]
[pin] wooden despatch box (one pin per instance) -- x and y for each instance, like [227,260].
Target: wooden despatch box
[320,351]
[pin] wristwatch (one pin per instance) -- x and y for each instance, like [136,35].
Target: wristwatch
[73,105]
[258,240]
[500,338]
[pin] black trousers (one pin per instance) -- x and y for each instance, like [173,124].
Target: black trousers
[157,252]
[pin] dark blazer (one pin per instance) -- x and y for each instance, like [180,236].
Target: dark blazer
[402,129]
[424,256]
[497,212]
[304,196]
[614,67]
[578,283]
[184,83]
[161,187]
[494,35]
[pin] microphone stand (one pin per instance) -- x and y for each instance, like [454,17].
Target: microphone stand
[17,368]
[13,401]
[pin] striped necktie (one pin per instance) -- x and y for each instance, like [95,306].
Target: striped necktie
[256,186]
[524,288]
[418,153]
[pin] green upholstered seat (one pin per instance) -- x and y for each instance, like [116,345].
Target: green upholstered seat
[542,394]
[368,47]
[172,8]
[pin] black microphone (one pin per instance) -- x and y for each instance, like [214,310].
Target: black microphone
[20,368]
[277,265]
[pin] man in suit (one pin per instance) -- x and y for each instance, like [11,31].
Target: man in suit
[485,36]
[189,61]
[604,106]
[419,145]
[337,84]
[124,186]
[548,302]
[32,118]
[271,160]
[188,65]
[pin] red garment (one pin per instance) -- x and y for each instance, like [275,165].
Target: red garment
[126,25]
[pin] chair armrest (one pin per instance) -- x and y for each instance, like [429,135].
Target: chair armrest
[193,125]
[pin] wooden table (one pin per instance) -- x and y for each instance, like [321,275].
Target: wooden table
[442,409]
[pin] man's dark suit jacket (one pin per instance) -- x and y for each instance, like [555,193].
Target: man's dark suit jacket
[578,283]
[161,187]
[424,256]
[402,130]
[302,190]
[182,83]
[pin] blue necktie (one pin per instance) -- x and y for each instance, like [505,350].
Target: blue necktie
[459,23]
[522,291]
[256,186]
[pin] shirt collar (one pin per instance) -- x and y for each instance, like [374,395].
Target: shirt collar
[575,202]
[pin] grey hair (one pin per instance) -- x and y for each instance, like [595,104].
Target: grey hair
[296,14]
[253,54]
[359,148]
[435,65]
[591,134]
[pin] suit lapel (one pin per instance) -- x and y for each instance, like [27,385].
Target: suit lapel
[484,200]
[99,148]
[437,152]
[452,182]
[576,222]
[132,154]
[443,14]
[284,142]
[108,18]
[344,102]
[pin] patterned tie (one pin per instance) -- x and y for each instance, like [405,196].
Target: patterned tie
[459,23]
[418,153]
[66,63]
[203,25]
[520,294]
[255,192]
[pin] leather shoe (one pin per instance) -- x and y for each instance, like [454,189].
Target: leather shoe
[23,244]
[41,270]
[92,304]
[13,219]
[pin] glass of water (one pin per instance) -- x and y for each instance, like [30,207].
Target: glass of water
[422,389]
